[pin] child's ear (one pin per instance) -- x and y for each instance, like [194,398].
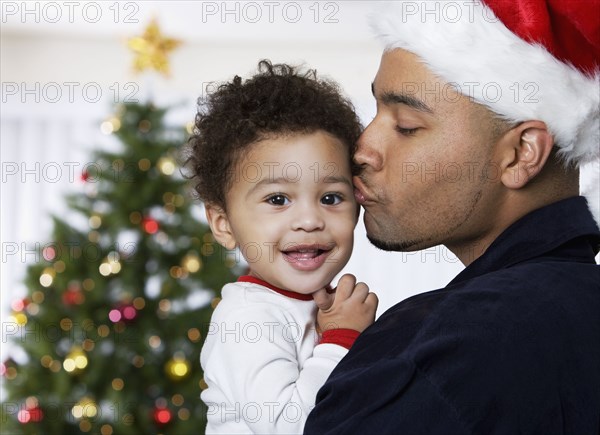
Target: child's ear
[220,227]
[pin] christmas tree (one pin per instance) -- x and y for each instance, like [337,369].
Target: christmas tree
[111,324]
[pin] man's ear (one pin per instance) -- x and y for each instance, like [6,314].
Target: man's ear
[220,227]
[524,152]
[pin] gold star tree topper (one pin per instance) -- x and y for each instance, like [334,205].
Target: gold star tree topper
[152,49]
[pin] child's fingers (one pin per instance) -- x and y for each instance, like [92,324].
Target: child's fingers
[360,292]
[345,287]
[372,300]
[323,299]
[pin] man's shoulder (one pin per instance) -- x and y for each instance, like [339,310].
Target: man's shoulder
[494,346]
[501,311]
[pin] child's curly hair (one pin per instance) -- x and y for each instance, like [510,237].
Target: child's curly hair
[275,102]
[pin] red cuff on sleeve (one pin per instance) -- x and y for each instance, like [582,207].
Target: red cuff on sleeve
[342,337]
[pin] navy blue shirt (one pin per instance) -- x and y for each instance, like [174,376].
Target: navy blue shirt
[510,346]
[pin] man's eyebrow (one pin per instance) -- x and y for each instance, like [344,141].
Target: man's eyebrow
[389,98]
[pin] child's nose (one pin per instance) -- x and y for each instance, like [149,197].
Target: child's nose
[308,218]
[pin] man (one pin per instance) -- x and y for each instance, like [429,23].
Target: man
[512,344]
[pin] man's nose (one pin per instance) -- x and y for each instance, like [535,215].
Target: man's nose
[368,152]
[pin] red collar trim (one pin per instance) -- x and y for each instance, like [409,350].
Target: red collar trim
[289,294]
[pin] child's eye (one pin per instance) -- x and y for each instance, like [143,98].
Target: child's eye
[331,199]
[278,200]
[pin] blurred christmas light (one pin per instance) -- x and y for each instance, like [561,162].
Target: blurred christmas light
[139,303]
[49,253]
[176,272]
[46,360]
[144,164]
[32,411]
[191,262]
[73,296]
[88,284]
[114,315]
[150,225]
[47,277]
[177,400]
[76,360]
[19,304]
[37,297]
[66,324]
[177,367]
[88,345]
[138,361]
[33,309]
[104,269]
[194,335]
[94,236]
[154,341]
[164,305]
[55,366]
[117,384]
[103,331]
[135,217]
[110,126]
[144,126]
[59,266]
[106,128]
[86,407]
[166,165]
[162,415]
[95,222]
[19,318]
[129,313]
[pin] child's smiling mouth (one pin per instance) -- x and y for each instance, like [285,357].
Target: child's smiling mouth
[307,257]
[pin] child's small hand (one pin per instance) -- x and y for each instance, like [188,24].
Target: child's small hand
[352,306]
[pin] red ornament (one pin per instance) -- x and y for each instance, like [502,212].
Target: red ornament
[28,415]
[150,225]
[85,175]
[162,415]
[36,414]
[73,296]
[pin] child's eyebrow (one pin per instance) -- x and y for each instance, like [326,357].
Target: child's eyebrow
[329,179]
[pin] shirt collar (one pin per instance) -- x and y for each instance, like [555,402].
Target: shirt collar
[535,234]
[287,293]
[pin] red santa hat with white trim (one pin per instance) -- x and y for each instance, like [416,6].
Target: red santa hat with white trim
[523,59]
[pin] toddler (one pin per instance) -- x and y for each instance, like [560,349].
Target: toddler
[272,161]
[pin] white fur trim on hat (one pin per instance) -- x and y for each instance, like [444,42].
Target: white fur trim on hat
[467,46]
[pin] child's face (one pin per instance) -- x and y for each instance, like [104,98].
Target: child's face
[291,211]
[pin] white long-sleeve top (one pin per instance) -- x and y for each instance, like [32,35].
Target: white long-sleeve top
[262,360]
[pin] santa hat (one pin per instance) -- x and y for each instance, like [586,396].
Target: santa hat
[524,59]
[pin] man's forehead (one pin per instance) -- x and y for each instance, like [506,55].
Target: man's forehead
[402,73]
